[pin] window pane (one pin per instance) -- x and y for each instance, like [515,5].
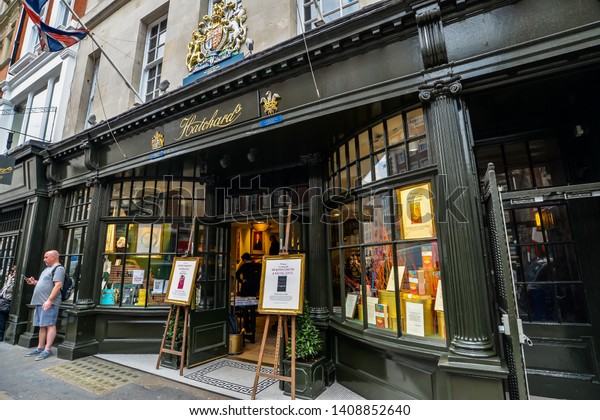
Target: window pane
[395,128]
[415,122]
[135,281]
[378,137]
[381,170]
[352,150]
[398,161]
[415,205]
[376,218]
[419,277]
[363,144]
[350,230]
[342,156]
[365,171]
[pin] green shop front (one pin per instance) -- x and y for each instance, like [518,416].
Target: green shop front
[410,275]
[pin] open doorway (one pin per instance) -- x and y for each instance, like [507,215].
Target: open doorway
[250,242]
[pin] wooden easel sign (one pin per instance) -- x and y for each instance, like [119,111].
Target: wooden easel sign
[282,285]
[182,280]
[281,294]
[179,292]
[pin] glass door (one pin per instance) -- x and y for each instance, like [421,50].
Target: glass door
[208,319]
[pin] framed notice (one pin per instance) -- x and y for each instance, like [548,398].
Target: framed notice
[282,285]
[351,302]
[182,280]
[417,211]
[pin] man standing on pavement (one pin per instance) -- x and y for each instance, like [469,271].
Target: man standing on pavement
[46,299]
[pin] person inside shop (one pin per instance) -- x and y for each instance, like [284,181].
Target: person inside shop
[6,298]
[274,248]
[248,276]
[46,300]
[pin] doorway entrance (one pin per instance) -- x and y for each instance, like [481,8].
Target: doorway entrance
[250,242]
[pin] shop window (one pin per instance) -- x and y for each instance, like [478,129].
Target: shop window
[385,263]
[137,262]
[10,222]
[160,198]
[393,146]
[153,57]
[545,265]
[74,227]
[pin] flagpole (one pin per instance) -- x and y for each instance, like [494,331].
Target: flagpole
[68,6]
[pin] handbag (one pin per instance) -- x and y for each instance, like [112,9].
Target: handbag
[4,305]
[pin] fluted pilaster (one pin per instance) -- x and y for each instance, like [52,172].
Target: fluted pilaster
[464,285]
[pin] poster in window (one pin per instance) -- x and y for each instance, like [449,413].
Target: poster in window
[417,211]
[182,280]
[282,285]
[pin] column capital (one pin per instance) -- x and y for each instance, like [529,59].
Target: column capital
[440,88]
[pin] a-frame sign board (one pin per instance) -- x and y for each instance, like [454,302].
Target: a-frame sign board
[281,329]
[179,292]
[281,294]
[181,353]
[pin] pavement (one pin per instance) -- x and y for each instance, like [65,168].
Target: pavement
[135,377]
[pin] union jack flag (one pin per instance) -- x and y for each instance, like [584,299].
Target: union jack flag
[51,39]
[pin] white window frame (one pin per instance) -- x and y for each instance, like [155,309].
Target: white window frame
[307,23]
[34,45]
[154,64]
[63,14]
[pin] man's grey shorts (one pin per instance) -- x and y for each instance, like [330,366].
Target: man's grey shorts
[43,318]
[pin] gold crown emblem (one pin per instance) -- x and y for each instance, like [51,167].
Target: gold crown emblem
[158,140]
[270,102]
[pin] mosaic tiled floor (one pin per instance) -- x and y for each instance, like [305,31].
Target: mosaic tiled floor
[232,376]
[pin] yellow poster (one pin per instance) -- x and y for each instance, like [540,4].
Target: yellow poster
[417,211]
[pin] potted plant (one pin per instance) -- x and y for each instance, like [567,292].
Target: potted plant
[170,360]
[310,361]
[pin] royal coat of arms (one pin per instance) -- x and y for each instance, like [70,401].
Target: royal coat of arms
[219,36]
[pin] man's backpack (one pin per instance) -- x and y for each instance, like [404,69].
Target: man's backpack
[65,290]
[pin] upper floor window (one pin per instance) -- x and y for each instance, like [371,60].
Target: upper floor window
[63,15]
[153,55]
[314,13]
[35,116]
[34,34]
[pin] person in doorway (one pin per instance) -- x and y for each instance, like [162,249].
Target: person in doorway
[274,248]
[6,298]
[248,276]
[46,299]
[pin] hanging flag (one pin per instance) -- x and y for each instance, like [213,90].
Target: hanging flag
[34,6]
[54,39]
[51,39]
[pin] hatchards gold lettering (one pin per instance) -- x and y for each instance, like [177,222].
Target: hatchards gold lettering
[190,125]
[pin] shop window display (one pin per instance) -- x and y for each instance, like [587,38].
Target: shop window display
[391,282]
[137,262]
[383,248]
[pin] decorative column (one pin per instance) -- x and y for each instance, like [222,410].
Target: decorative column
[463,265]
[472,366]
[317,251]
[80,331]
